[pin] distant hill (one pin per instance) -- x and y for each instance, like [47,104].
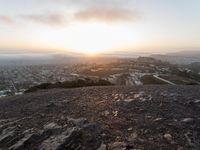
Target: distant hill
[53,58]
[36,59]
[194,67]
[184,57]
[194,54]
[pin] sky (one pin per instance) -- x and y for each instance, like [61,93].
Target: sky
[99,26]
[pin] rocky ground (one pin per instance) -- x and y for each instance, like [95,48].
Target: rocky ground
[102,118]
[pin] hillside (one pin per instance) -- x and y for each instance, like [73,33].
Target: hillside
[179,58]
[100,118]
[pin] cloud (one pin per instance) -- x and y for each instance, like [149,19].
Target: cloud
[106,14]
[6,19]
[89,3]
[76,10]
[47,18]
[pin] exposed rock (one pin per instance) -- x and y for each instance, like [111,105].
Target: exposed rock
[129,100]
[81,138]
[132,137]
[106,113]
[20,144]
[187,120]
[158,119]
[117,146]
[189,140]
[78,122]
[51,125]
[7,134]
[52,104]
[129,129]
[102,147]
[168,137]
[115,113]
[197,101]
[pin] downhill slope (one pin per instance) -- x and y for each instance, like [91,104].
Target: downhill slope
[117,117]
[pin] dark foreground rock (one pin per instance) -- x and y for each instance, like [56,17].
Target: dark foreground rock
[102,118]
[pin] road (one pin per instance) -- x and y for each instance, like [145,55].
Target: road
[164,80]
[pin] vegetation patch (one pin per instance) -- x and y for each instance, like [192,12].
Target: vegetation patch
[70,84]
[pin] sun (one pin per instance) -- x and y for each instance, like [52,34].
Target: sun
[95,38]
[88,38]
[87,45]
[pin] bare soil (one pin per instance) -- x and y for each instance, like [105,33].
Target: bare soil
[99,118]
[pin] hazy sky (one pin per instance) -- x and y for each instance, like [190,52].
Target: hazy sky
[92,26]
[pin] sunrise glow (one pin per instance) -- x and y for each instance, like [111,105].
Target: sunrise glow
[98,27]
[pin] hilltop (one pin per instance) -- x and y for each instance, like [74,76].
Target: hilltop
[99,118]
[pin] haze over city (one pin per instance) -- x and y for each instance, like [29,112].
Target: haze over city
[99,26]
